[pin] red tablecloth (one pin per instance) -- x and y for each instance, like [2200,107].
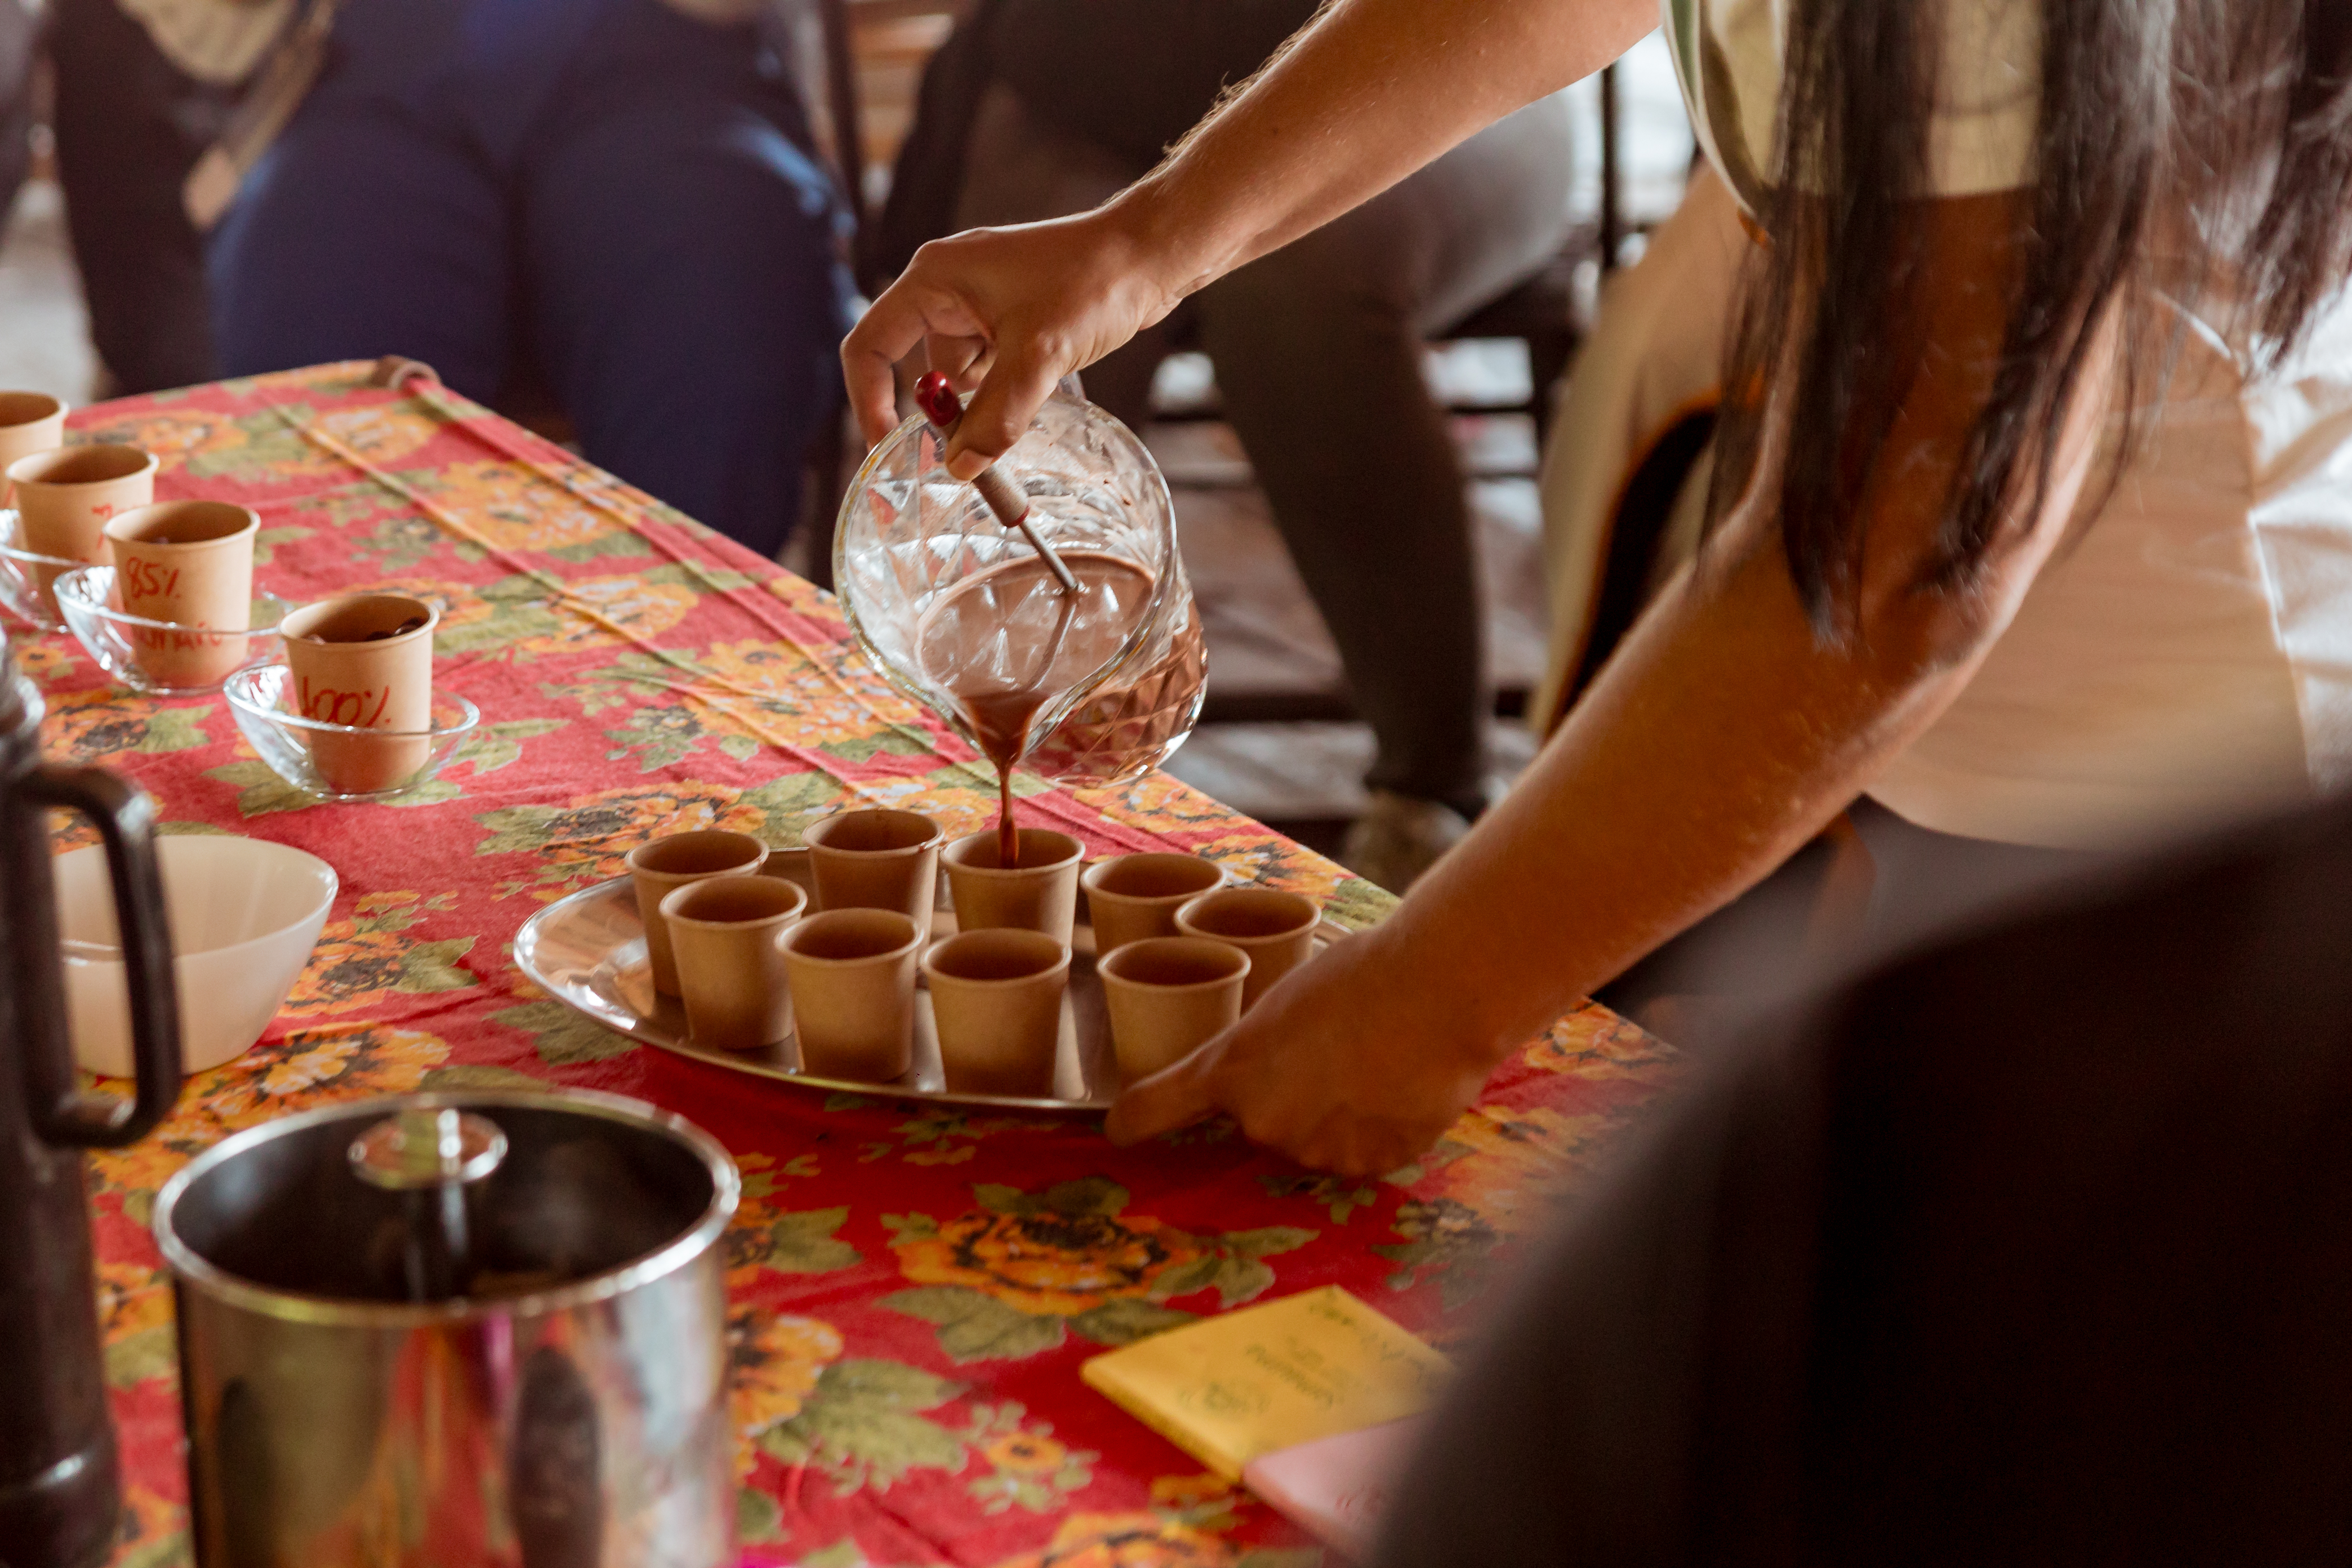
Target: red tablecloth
[913,1288]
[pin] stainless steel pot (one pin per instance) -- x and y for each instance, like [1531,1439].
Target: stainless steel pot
[478,1328]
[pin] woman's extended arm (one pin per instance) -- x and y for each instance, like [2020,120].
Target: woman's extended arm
[1721,737]
[1369,92]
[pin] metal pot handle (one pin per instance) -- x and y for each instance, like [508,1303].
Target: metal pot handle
[125,820]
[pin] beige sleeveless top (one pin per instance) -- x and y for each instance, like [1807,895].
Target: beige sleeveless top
[2188,657]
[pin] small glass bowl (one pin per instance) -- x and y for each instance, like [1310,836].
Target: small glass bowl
[20,577]
[258,696]
[163,658]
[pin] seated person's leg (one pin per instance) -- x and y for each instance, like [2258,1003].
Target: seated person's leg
[128,126]
[1318,355]
[687,292]
[1020,169]
[371,228]
[18,32]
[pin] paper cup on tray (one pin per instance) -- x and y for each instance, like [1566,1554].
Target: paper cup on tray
[364,661]
[189,562]
[66,498]
[876,860]
[1041,894]
[1275,928]
[1135,896]
[1168,996]
[851,976]
[659,867]
[723,934]
[996,999]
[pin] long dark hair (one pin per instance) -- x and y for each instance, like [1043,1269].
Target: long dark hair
[2223,125]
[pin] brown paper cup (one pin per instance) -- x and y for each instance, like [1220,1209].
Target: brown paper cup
[996,1001]
[1041,894]
[30,422]
[352,665]
[731,971]
[876,860]
[1170,995]
[1133,897]
[852,975]
[1275,928]
[660,866]
[66,498]
[791,862]
[189,562]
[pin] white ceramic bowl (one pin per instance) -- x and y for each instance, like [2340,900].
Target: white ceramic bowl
[245,915]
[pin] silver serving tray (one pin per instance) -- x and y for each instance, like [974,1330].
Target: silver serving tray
[588,951]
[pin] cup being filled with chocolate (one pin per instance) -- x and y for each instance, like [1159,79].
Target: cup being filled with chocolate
[1040,610]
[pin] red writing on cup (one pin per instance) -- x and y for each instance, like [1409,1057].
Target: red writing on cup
[330,706]
[175,640]
[149,579]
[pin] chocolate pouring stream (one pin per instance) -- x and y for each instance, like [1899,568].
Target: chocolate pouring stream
[1007,641]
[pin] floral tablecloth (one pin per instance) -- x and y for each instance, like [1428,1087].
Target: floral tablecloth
[912,1288]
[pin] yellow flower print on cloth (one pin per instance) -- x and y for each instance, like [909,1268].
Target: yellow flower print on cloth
[87,726]
[1028,1467]
[369,959]
[1139,1540]
[588,837]
[1009,1277]
[1510,1163]
[1490,1178]
[774,1361]
[1594,1043]
[642,605]
[511,507]
[384,433]
[771,678]
[309,1067]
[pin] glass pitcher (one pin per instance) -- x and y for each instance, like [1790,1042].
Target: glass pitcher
[909,535]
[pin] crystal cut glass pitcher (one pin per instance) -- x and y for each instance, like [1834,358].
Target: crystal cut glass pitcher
[909,536]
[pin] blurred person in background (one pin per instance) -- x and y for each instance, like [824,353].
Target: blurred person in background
[617,199]
[1036,109]
[16,36]
[142,87]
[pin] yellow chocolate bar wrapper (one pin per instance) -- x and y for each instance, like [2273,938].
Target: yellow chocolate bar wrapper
[1245,1384]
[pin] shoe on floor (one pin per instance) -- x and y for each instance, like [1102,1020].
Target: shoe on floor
[1398,838]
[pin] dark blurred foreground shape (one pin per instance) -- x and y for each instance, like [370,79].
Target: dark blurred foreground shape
[2034,1247]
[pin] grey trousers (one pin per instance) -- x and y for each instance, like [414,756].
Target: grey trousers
[1318,350]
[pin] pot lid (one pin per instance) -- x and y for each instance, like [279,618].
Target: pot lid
[436,1205]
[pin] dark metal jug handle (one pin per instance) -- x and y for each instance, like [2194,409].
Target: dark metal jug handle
[125,820]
